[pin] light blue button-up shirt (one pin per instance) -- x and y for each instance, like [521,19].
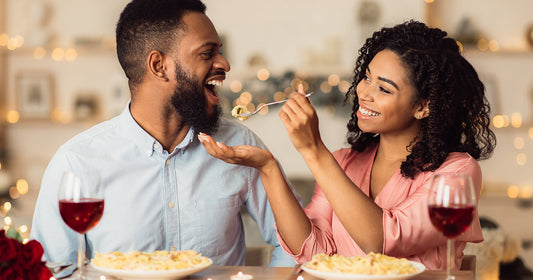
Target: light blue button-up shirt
[155,200]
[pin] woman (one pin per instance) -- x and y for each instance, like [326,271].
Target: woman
[419,109]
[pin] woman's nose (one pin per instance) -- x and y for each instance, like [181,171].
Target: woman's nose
[364,92]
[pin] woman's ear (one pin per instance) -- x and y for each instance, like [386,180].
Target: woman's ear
[423,110]
[156,65]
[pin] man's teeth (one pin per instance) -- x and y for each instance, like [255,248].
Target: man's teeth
[215,83]
[368,112]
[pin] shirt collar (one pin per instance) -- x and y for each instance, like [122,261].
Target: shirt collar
[130,129]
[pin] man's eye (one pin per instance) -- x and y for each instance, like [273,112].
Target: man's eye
[207,54]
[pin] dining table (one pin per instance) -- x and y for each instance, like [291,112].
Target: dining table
[217,272]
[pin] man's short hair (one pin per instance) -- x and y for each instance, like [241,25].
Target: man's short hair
[148,25]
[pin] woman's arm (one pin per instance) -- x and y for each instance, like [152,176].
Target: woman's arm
[360,216]
[292,223]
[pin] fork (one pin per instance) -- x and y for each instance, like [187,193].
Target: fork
[248,114]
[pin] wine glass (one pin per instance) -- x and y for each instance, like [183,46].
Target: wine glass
[81,205]
[451,205]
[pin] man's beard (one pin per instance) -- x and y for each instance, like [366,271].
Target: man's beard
[190,103]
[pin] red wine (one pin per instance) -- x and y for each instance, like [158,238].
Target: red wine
[451,221]
[83,215]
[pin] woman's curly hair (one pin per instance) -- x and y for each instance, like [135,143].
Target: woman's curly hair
[459,112]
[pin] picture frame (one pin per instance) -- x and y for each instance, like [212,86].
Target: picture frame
[35,96]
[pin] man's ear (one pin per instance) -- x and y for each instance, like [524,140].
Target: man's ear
[156,65]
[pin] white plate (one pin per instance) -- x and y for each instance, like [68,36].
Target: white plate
[343,276]
[152,274]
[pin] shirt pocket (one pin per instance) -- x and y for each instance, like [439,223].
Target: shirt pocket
[219,227]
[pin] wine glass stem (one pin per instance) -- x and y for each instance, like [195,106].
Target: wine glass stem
[81,254]
[450,260]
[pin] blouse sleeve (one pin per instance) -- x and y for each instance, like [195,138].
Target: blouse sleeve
[407,228]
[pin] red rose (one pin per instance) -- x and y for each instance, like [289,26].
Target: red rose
[31,254]
[9,248]
[38,272]
[11,272]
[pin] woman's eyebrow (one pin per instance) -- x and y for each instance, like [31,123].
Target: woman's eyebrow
[384,79]
[389,81]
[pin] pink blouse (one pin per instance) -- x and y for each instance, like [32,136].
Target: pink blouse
[407,229]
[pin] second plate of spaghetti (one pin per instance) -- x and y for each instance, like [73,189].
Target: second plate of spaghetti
[371,267]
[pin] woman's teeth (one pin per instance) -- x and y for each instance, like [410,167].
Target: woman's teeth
[368,112]
[215,83]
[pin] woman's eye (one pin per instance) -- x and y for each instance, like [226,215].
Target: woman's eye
[384,90]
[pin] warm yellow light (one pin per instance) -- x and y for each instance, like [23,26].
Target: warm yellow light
[58,54]
[12,44]
[498,121]
[483,44]
[325,87]
[519,143]
[12,116]
[263,74]
[246,97]
[344,86]
[279,96]
[8,220]
[7,205]
[429,1]
[250,107]
[70,54]
[521,159]
[530,132]
[334,80]
[13,193]
[512,191]
[235,86]
[23,228]
[494,46]
[22,186]
[516,120]
[461,47]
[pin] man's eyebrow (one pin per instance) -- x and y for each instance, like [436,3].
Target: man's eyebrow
[210,44]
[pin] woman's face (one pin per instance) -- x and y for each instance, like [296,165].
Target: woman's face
[385,98]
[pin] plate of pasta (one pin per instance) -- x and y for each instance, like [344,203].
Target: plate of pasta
[370,267]
[156,265]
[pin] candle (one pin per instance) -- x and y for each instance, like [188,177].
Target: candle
[241,276]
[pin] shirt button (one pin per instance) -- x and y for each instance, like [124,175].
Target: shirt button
[171,204]
[168,161]
[172,248]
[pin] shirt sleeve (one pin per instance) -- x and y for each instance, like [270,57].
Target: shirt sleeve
[59,242]
[408,229]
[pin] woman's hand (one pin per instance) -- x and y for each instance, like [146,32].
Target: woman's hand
[246,155]
[301,122]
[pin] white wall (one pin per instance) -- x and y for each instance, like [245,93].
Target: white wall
[310,35]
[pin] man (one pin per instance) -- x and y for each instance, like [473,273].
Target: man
[162,189]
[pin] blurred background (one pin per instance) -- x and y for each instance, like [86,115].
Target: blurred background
[59,75]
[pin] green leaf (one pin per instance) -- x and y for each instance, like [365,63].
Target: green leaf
[12,233]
